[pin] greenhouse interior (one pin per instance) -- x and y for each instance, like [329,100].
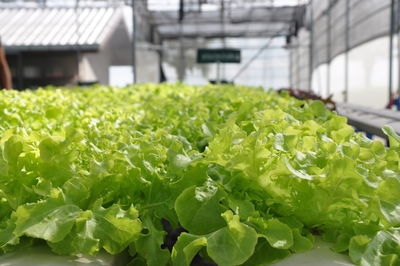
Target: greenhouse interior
[200,132]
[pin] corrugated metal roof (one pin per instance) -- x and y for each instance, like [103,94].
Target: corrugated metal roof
[56,28]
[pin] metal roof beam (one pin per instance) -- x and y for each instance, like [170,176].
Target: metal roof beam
[214,30]
[228,35]
[266,15]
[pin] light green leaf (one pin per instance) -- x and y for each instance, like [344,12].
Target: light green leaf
[149,245]
[12,149]
[198,210]
[278,234]
[300,243]
[51,220]
[116,228]
[265,254]
[391,212]
[298,173]
[393,137]
[49,148]
[186,248]
[232,245]
[319,109]
[81,240]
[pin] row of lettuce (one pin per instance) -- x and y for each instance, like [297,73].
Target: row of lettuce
[249,176]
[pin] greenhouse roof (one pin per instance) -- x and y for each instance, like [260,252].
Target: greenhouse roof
[238,23]
[250,21]
[56,28]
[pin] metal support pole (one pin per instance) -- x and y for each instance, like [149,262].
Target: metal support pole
[346,53]
[291,66]
[181,9]
[298,80]
[78,36]
[311,46]
[134,30]
[398,44]
[181,70]
[391,32]
[218,81]
[222,15]
[20,74]
[328,50]
[298,51]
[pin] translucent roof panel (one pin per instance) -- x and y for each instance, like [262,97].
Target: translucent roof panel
[238,19]
[160,5]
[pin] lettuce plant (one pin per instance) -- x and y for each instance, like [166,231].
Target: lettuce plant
[172,173]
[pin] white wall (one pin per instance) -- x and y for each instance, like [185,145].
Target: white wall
[117,51]
[368,74]
[148,66]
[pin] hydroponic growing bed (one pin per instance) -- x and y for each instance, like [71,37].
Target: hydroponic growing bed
[170,173]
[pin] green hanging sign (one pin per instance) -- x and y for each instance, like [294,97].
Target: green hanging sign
[218,56]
